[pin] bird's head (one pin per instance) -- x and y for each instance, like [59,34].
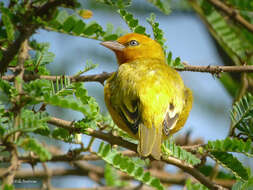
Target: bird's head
[135,46]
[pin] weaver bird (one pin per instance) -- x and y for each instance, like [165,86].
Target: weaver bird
[145,97]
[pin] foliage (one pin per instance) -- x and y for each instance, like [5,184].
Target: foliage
[112,178]
[163,5]
[30,144]
[243,185]
[132,22]
[231,145]
[126,164]
[227,160]
[171,149]
[194,186]
[241,116]
[158,33]
[242,5]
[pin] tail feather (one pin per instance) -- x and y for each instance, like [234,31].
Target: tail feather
[156,150]
[149,142]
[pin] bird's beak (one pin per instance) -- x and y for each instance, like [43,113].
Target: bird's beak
[113,45]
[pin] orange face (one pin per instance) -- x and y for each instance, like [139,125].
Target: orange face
[135,46]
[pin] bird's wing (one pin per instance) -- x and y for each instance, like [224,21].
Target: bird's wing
[188,100]
[129,112]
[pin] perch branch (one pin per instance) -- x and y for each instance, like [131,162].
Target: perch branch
[103,76]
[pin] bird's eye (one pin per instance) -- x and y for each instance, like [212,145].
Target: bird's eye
[133,43]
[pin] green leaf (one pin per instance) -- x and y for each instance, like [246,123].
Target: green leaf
[112,177]
[8,187]
[60,18]
[8,26]
[43,57]
[70,23]
[120,4]
[91,28]
[158,33]
[228,161]
[30,144]
[208,169]
[126,164]
[163,5]
[35,122]
[132,22]
[241,115]
[246,5]
[194,186]
[230,84]
[6,87]
[78,27]
[73,96]
[140,30]
[245,185]
[171,149]
[37,88]
[229,36]
[230,145]
[30,122]
[169,58]
[62,134]
[88,66]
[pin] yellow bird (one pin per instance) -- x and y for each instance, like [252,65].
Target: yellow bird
[145,97]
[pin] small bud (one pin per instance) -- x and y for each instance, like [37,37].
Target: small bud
[86,14]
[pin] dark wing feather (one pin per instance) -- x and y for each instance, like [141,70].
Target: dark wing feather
[130,117]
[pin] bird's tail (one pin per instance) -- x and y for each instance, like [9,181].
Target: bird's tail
[149,141]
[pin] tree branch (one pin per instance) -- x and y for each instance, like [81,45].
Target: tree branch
[87,78]
[103,76]
[114,140]
[218,69]
[68,157]
[8,174]
[14,162]
[234,14]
